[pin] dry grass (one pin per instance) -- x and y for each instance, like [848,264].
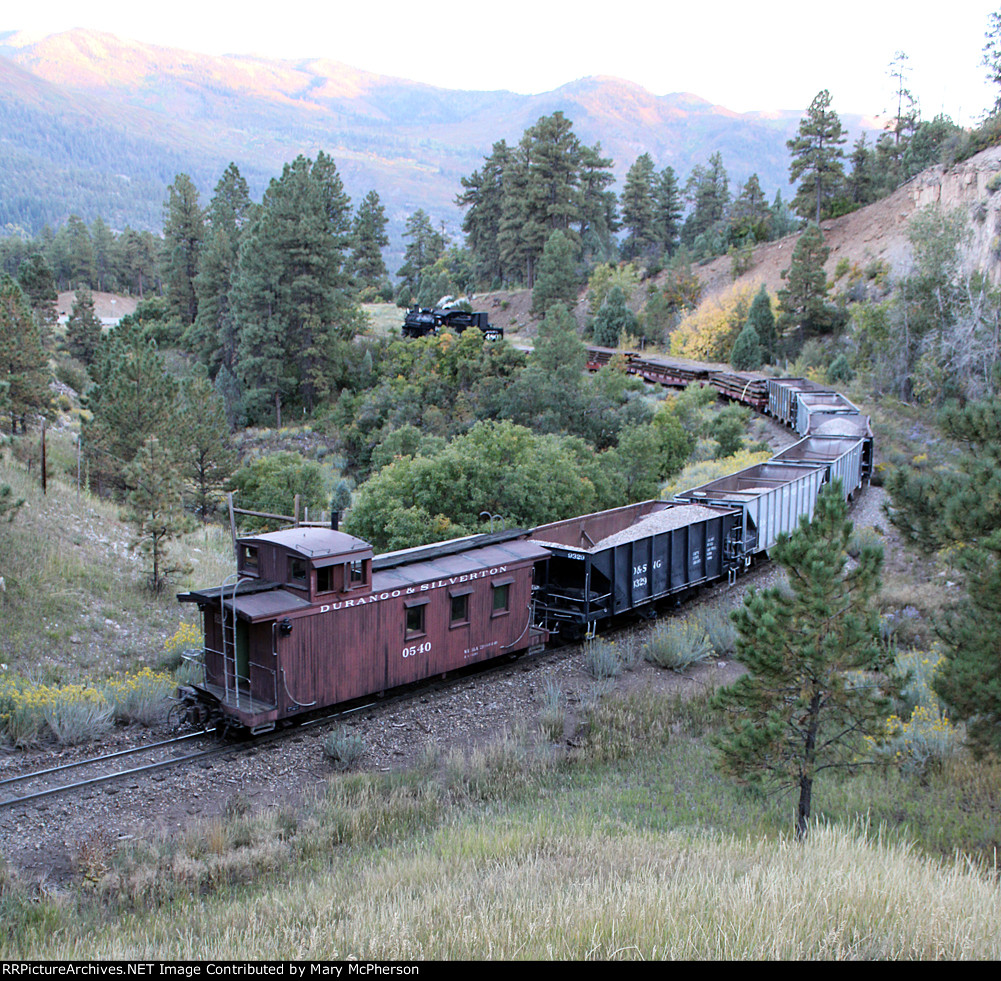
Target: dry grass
[73,602]
[546,890]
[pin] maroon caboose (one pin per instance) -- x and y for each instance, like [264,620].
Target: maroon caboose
[311,618]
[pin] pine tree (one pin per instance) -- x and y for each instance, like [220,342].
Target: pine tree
[557,280]
[639,212]
[134,398]
[667,197]
[211,335]
[24,370]
[817,155]
[762,318]
[292,298]
[183,233]
[746,352]
[598,205]
[83,328]
[368,238]
[424,248]
[810,650]
[960,508]
[483,196]
[205,454]
[803,301]
[154,507]
[613,319]
[34,276]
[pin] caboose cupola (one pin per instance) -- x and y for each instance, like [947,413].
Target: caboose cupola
[315,563]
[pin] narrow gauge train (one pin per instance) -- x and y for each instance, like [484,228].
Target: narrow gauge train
[419,322]
[312,618]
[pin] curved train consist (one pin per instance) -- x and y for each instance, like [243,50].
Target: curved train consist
[313,618]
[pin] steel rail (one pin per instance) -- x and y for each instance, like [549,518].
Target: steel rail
[101,759]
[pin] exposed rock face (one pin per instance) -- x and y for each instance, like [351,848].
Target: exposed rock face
[878,233]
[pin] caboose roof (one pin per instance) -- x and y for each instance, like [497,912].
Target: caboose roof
[312,542]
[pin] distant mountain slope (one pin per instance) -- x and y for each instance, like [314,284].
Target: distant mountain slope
[99,125]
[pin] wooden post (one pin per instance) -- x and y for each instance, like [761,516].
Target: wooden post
[295,512]
[232,524]
[44,487]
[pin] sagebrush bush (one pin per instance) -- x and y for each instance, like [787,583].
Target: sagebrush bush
[601,659]
[552,716]
[719,629]
[343,747]
[677,644]
[143,697]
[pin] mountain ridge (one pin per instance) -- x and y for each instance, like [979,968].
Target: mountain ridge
[410,141]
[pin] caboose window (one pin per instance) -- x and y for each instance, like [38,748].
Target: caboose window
[297,571]
[325,579]
[248,558]
[460,610]
[415,620]
[502,599]
[356,573]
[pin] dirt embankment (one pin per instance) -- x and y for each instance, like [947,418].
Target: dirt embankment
[109,307]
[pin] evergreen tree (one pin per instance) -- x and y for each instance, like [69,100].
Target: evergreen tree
[205,454]
[103,242]
[368,238]
[960,508]
[483,196]
[211,335]
[810,650]
[78,254]
[803,301]
[817,154]
[614,319]
[557,280]
[746,352]
[708,192]
[749,214]
[292,300]
[667,201]
[424,248]
[154,507]
[183,233]
[34,276]
[762,318]
[133,399]
[83,328]
[24,371]
[598,205]
[639,209]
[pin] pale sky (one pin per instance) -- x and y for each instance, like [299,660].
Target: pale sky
[776,54]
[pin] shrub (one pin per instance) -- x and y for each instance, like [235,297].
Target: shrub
[720,630]
[344,748]
[75,714]
[677,644]
[553,715]
[923,734]
[601,660]
[142,697]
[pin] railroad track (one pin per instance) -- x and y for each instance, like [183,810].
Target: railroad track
[28,787]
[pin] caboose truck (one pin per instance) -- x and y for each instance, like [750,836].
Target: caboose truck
[312,619]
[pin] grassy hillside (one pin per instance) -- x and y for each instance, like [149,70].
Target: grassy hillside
[631,847]
[73,603]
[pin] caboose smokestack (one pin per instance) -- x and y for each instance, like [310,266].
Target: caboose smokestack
[335,520]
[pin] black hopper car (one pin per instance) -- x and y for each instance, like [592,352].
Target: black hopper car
[419,322]
[312,618]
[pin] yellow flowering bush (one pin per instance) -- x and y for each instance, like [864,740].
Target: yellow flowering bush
[69,713]
[186,636]
[924,733]
[77,713]
[141,697]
